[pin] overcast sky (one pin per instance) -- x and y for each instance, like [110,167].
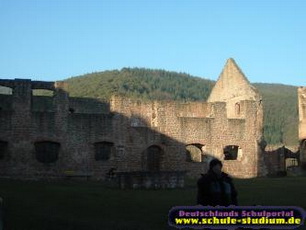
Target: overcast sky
[56,39]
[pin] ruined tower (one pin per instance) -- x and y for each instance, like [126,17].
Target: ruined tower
[233,87]
[243,106]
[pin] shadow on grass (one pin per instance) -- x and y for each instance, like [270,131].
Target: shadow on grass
[92,205]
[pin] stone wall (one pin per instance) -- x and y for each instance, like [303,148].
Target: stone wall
[302,123]
[279,159]
[129,135]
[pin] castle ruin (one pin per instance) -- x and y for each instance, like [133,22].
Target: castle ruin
[50,137]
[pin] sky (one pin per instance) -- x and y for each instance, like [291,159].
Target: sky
[52,40]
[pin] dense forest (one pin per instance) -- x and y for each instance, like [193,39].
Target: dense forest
[279,101]
[280,104]
[141,83]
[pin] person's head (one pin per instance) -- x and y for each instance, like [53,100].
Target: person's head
[216,166]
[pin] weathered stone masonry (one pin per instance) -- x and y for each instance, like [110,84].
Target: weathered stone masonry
[302,122]
[55,136]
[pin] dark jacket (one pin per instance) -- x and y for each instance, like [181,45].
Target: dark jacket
[216,191]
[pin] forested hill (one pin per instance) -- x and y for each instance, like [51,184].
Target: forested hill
[279,101]
[141,83]
[280,113]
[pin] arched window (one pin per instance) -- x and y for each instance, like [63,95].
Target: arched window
[47,151]
[193,153]
[152,157]
[104,151]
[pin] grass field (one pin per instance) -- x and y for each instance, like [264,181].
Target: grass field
[69,205]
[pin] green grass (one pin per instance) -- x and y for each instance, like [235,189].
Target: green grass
[92,205]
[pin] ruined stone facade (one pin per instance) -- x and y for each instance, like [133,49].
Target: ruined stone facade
[281,159]
[302,123]
[63,136]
